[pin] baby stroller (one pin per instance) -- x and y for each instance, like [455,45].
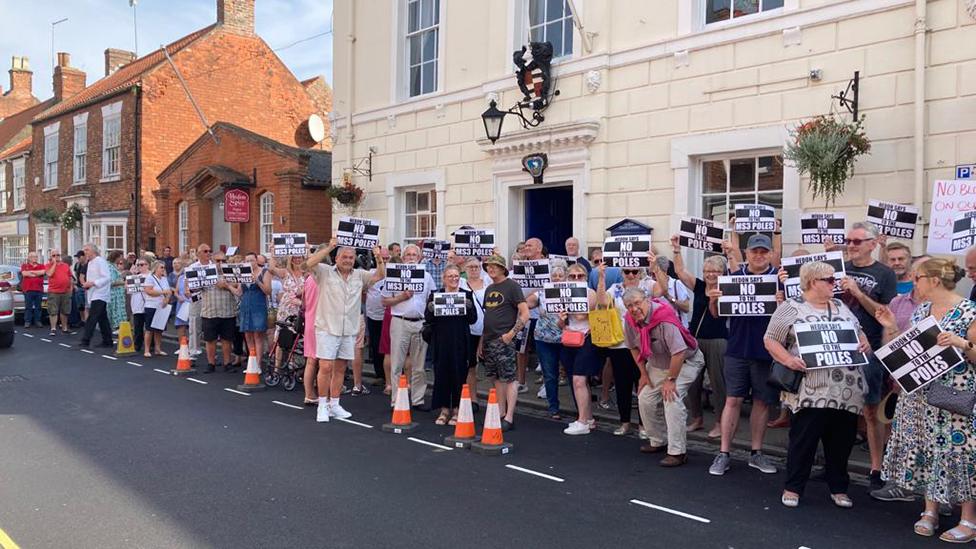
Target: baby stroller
[289,339]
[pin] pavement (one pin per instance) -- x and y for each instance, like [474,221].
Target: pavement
[104,451]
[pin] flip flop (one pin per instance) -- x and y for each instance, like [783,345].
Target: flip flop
[441,419]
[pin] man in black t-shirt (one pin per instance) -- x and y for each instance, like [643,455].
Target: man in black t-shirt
[81,272]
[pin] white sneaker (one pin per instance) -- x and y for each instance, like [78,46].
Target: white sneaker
[523,388]
[642,434]
[338,411]
[322,414]
[577,428]
[541,393]
[538,369]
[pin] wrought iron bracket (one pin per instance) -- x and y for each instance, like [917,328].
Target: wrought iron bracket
[849,97]
[364,166]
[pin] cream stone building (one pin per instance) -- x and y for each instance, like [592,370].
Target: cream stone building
[666,108]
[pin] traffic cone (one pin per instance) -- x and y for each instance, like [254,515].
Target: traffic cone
[126,345]
[252,375]
[401,422]
[492,443]
[184,365]
[464,433]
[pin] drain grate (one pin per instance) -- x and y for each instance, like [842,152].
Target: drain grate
[12,379]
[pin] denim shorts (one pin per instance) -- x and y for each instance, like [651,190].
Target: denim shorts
[748,376]
[499,359]
[874,379]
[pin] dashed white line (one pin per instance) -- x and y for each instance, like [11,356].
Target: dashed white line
[134,364]
[196,381]
[87,351]
[27,335]
[65,345]
[672,511]
[434,444]
[161,371]
[286,405]
[110,357]
[351,422]
[236,392]
[536,473]
[45,340]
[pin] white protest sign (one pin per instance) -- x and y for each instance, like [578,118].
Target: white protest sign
[566,297]
[474,242]
[401,277]
[897,220]
[201,277]
[357,232]
[133,284]
[531,273]
[436,248]
[449,304]
[914,358]
[701,234]
[754,218]
[949,200]
[817,227]
[285,244]
[628,251]
[792,267]
[829,344]
[237,273]
[747,295]
[963,232]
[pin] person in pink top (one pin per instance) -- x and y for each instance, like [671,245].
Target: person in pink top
[310,301]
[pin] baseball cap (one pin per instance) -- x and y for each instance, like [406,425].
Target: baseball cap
[79,253]
[759,241]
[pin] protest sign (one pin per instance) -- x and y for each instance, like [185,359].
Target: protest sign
[569,259]
[357,232]
[285,244]
[201,277]
[792,267]
[915,359]
[701,234]
[237,273]
[436,248]
[747,295]
[133,284]
[897,220]
[754,218]
[449,304]
[627,251]
[829,344]
[531,273]
[401,277]
[817,228]
[949,199]
[566,297]
[474,242]
[963,232]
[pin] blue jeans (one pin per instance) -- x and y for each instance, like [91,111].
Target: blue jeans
[32,307]
[548,354]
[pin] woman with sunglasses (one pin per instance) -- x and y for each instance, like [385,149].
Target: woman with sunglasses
[137,303]
[116,304]
[292,277]
[450,338]
[548,339]
[157,291]
[933,451]
[583,361]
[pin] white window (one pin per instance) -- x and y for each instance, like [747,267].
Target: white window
[267,221]
[740,179]
[183,226]
[20,176]
[3,187]
[48,238]
[422,45]
[14,249]
[111,140]
[51,156]
[80,147]
[420,214]
[718,11]
[108,233]
[551,21]
[114,237]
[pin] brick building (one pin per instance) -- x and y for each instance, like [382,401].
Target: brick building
[285,187]
[19,96]
[102,149]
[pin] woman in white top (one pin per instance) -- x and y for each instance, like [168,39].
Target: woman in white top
[137,302]
[474,281]
[581,361]
[157,290]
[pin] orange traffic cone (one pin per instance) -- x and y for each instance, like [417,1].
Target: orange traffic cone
[184,366]
[492,443]
[252,375]
[401,422]
[464,433]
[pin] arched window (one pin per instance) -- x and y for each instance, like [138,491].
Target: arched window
[183,224]
[267,221]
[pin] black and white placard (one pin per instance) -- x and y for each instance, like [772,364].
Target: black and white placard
[201,277]
[358,232]
[792,267]
[237,273]
[569,259]
[133,284]
[449,304]
[631,251]
[531,273]
[474,242]
[818,227]
[897,220]
[401,277]
[830,344]
[754,218]
[285,244]
[566,297]
[436,248]
[963,231]
[747,295]
[914,358]
[701,234]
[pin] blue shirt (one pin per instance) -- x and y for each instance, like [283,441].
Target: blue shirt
[905,287]
[746,332]
[613,274]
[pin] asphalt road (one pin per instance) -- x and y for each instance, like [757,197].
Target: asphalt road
[96,452]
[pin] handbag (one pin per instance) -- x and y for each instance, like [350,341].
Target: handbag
[572,338]
[606,330]
[784,379]
[952,400]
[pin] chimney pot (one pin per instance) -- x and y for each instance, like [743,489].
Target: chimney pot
[64,59]
[68,80]
[236,16]
[21,77]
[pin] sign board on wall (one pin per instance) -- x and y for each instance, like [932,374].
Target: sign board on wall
[237,206]
[950,198]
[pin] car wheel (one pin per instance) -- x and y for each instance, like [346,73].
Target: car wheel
[6,340]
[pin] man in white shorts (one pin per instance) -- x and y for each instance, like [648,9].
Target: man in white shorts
[337,319]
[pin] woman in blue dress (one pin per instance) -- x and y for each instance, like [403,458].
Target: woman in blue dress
[253,313]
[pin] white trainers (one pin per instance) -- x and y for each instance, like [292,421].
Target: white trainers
[338,411]
[577,428]
[542,393]
[322,414]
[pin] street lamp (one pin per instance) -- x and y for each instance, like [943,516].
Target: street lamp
[493,119]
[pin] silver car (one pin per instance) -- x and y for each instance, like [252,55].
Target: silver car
[6,314]
[11,275]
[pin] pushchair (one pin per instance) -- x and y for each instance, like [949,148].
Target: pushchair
[289,338]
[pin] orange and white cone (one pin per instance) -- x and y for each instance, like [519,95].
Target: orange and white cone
[492,443]
[252,375]
[401,421]
[464,433]
[184,364]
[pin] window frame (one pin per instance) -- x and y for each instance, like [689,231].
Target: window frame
[3,187]
[266,221]
[518,32]
[431,213]
[47,237]
[400,84]
[97,231]
[703,4]
[6,247]
[19,167]
[564,20]
[111,115]
[52,143]
[79,155]
[182,226]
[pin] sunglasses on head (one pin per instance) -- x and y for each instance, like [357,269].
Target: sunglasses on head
[856,241]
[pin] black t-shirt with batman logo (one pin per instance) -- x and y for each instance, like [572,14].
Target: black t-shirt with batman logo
[501,308]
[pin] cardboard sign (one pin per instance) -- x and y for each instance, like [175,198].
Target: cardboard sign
[401,277]
[914,358]
[817,228]
[531,273]
[566,297]
[631,251]
[474,242]
[436,248]
[754,218]
[133,284]
[449,304]
[949,200]
[237,273]
[792,267]
[201,277]
[897,220]
[828,344]
[357,232]
[285,244]
[963,232]
[701,234]
[747,295]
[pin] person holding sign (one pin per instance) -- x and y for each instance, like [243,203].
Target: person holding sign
[579,356]
[157,291]
[829,399]
[933,451]
[548,339]
[252,315]
[450,338]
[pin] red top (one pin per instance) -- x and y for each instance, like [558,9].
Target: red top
[34,283]
[60,280]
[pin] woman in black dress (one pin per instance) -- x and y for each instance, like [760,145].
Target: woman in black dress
[450,337]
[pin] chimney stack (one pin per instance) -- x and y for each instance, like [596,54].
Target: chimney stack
[236,16]
[21,77]
[68,80]
[116,59]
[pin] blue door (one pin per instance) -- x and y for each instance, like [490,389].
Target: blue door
[549,216]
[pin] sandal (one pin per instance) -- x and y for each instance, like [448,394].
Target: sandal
[441,419]
[955,535]
[147,354]
[842,500]
[556,417]
[790,500]
[453,420]
[927,525]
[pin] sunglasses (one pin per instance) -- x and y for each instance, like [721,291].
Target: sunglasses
[631,271]
[55,255]
[577,277]
[142,264]
[828,280]
[598,262]
[920,277]
[856,241]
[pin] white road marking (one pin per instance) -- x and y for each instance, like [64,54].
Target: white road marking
[196,381]
[435,445]
[161,371]
[237,392]
[672,511]
[87,351]
[65,345]
[25,334]
[135,364]
[110,357]
[536,473]
[45,340]
[351,422]
[286,405]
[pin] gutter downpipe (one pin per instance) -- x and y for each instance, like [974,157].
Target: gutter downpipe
[919,136]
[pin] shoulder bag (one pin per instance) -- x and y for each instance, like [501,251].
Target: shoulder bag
[606,330]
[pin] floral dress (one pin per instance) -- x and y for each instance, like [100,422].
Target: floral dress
[933,451]
[289,304]
[116,304]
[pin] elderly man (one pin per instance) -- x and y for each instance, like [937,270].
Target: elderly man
[532,250]
[98,287]
[406,324]
[337,318]
[32,286]
[573,251]
[58,292]
[899,260]
[218,312]
[971,270]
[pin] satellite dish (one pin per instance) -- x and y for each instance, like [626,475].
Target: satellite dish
[316,128]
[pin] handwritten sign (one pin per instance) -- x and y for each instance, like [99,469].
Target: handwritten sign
[949,200]
[818,227]
[566,297]
[897,220]
[828,344]
[628,251]
[449,304]
[792,267]
[754,218]
[747,295]
[357,232]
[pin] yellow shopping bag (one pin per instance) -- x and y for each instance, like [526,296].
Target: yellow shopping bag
[606,330]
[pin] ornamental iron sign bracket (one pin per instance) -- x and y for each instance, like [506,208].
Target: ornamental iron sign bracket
[849,97]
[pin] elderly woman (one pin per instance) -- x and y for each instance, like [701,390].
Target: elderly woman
[292,277]
[548,339]
[583,361]
[450,339]
[116,307]
[157,291]
[933,451]
[829,400]
[475,278]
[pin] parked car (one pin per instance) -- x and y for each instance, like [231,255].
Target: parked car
[6,315]
[11,275]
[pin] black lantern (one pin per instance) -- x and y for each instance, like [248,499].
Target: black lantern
[493,119]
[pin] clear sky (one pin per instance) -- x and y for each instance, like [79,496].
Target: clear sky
[94,25]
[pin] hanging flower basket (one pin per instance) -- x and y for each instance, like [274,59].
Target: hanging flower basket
[71,218]
[826,148]
[47,215]
[347,194]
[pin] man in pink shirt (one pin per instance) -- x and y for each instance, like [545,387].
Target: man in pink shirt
[58,292]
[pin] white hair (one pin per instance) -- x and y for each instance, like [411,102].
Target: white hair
[867,227]
[93,247]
